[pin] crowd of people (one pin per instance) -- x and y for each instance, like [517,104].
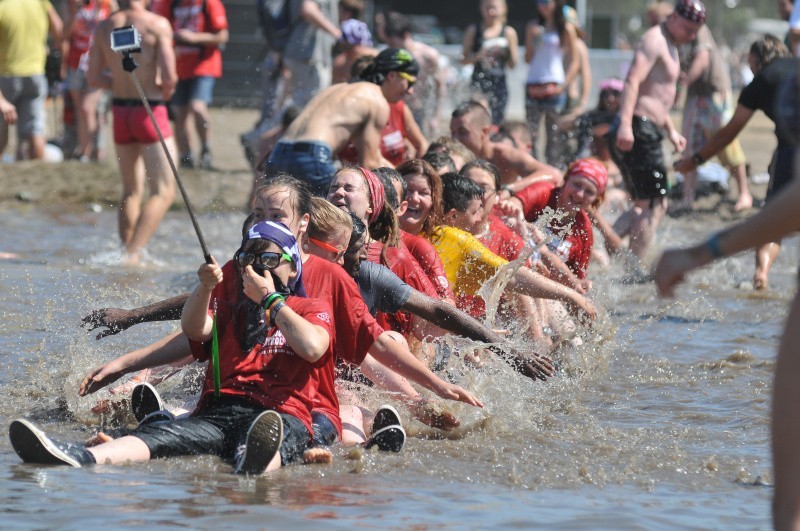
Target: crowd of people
[367,237]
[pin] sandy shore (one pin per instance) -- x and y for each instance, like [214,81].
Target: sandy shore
[227,188]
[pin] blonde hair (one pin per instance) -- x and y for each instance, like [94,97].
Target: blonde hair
[327,220]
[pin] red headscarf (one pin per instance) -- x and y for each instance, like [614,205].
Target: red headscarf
[591,169]
[377,194]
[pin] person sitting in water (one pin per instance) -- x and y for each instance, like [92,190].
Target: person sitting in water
[570,235]
[469,264]
[255,404]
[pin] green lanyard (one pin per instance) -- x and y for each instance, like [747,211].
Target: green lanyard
[215,352]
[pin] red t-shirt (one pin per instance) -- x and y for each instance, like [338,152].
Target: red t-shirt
[503,242]
[270,375]
[405,266]
[356,329]
[85,21]
[195,61]
[393,138]
[574,247]
[428,259]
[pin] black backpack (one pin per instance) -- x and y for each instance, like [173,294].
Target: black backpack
[276,21]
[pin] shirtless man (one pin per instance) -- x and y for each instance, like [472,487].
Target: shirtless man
[426,101]
[470,125]
[635,137]
[139,152]
[341,114]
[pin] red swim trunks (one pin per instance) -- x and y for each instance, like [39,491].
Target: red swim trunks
[131,123]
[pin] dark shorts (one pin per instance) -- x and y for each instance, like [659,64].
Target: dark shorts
[643,167]
[132,124]
[325,433]
[781,169]
[311,162]
[219,429]
[199,88]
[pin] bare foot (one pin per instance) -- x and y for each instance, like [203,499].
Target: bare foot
[8,256]
[760,280]
[322,456]
[743,203]
[132,259]
[98,438]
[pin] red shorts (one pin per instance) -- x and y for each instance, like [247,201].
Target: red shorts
[132,124]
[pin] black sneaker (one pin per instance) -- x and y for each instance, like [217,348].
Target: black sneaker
[388,439]
[206,161]
[33,446]
[263,441]
[187,161]
[145,400]
[385,416]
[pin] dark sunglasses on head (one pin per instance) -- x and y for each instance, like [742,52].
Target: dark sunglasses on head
[260,261]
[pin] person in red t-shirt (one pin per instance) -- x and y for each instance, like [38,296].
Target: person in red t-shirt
[570,236]
[201,28]
[257,395]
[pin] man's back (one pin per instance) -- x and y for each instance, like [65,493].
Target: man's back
[340,112]
[24,25]
[156,62]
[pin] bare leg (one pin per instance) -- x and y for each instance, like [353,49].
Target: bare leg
[645,224]
[36,147]
[353,431]
[120,451]
[131,169]
[3,136]
[162,194]
[765,256]
[87,122]
[202,120]
[689,187]
[745,200]
[785,426]
[182,130]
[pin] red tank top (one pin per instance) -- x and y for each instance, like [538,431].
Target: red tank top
[393,138]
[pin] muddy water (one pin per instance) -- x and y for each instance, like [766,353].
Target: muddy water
[660,419]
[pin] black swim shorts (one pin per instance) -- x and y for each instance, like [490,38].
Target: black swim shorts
[219,429]
[781,169]
[642,167]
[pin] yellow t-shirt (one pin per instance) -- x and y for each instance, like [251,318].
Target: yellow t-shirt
[24,26]
[467,263]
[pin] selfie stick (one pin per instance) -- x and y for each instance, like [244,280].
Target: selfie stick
[129,65]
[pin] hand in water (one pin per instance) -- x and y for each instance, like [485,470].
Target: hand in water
[536,367]
[100,377]
[114,319]
[442,420]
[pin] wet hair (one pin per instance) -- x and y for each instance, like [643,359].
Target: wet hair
[301,195]
[483,116]
[421,167]
[439,160]
[361,63]
[502,136]
[451,146]
[397,24]
[359,228]
[484,165]
[327,220]
[767,49]
[388,177]
[458,191]
[385,228]
[516,126]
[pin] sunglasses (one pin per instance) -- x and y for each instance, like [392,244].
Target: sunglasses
[408,77]
[260,261]
[328,247]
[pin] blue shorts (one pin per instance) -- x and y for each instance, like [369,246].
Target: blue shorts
[311,162]
[28,95]
[198,88]
[325,433]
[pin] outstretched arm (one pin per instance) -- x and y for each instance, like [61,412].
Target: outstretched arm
[116,319]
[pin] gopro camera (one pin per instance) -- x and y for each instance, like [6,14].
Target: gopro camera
[126,39]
